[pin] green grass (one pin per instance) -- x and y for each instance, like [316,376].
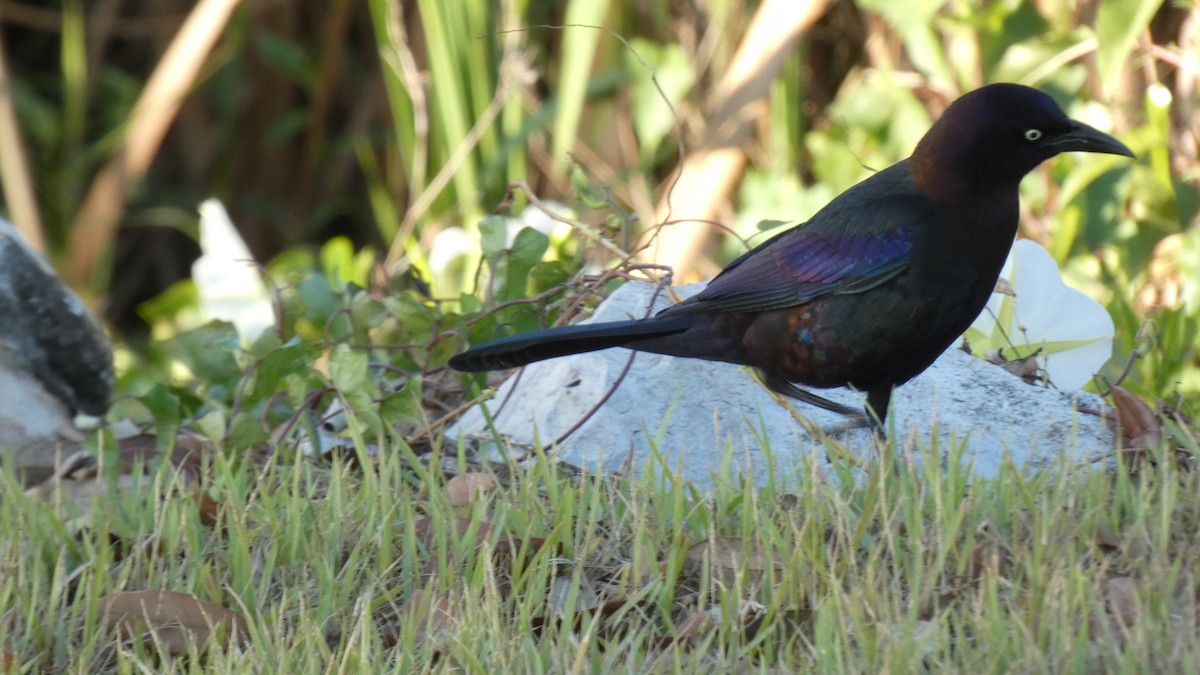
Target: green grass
[892,570]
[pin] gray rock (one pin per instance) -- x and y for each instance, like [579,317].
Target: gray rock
[707,419]
[56,371]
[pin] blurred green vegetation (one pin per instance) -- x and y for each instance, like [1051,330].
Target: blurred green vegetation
[425,136]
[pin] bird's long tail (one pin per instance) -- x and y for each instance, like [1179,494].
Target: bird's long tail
[538,345]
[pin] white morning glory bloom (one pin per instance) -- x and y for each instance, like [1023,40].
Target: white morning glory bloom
[227,278]
[1074,332]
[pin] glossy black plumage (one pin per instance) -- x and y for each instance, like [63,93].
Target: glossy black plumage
[873,287]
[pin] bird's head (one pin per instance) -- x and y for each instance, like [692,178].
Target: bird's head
[998,133]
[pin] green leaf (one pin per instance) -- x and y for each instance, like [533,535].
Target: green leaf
[212,424]
[493,235]
[164,408]
[348,369]
[210,353]
[769,224]
[546,275]
[913,21]
[1189,268]
[287,57]
[320,301]
[1118,23]
[281,363]
[169,304]
[653,116]
[341,265]
[527,251]
[403,406]
[414,317]
[245,431]
[585,191]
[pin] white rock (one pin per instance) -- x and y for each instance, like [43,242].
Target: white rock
[700,415]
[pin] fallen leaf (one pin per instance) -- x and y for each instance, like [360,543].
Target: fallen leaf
[732,558]
[1120,595]
[79,479]
[1140,427]
[434,618]
[424,527]
[171,619]
[142,450]
[79,494]
[208,508]
[1025,367]
[465,487]
[559,596]
[1106,538]
[924,634]
[696,627]
[748,617]
[986,560]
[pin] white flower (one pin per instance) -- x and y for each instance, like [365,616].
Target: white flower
[449,247]
[227,278]
[1074,332]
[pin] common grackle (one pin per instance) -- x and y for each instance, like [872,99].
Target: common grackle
[876,285]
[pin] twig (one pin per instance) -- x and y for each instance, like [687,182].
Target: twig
[620,378]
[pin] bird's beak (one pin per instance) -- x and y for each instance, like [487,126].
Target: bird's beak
[1082,138]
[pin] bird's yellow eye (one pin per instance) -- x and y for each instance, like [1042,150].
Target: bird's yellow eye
[1033,134]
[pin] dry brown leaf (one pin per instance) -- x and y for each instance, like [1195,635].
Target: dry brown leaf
[788,502]
[8,660]
[986,560]
[748,616]
[924,634]
[733,557]
[506,554]
[424,528]
[1106,538]
[209,509]
[1120,595]
[559,596]
[587,607]
[142,450]
[465,487]
[79,479]
[1141,428]
[80,495]
[434,618]
[508,547]
[696,627]
[1025,367]
[172,619]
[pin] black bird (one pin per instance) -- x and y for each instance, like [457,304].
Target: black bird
[875,286]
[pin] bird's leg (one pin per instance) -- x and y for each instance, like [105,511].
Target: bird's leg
[780,385]
[877,406]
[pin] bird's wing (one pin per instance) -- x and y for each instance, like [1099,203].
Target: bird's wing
[843,249]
